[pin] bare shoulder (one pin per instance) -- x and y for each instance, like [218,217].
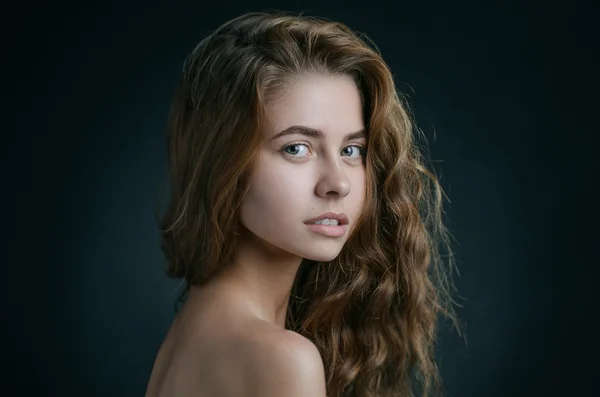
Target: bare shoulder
[284,364]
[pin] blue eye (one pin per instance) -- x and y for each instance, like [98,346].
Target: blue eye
[360,150]
[295,150]
[295,145]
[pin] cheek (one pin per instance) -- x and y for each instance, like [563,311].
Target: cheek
[359,184]
[274,193]
[271,208]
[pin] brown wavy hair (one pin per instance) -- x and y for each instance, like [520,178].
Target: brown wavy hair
[372,311]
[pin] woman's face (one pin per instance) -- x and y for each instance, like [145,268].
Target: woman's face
[300,177]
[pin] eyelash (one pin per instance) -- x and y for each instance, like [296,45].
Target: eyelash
[362,149]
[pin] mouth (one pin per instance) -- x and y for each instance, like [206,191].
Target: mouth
[327,230]
[329,219]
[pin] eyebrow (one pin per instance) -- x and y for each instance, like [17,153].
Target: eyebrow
[316,133]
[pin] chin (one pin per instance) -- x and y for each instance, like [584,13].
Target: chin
[321,251]
[322,256]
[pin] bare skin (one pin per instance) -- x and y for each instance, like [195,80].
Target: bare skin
[230,339]
[216,347]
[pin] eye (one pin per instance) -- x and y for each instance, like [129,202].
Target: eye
[359,150]
[296,148]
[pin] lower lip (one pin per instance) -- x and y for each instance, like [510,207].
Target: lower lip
[334,231]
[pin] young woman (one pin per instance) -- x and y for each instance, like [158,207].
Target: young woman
[302,219]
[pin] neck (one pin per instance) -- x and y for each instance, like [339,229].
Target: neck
[260,279]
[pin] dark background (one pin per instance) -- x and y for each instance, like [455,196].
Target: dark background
[509,91]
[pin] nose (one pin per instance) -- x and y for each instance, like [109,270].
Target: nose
[333,182]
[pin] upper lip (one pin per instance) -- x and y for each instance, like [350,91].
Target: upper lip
[341,218]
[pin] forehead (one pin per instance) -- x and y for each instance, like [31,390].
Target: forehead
[331,104]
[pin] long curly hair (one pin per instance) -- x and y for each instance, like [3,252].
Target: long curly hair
[372,311]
